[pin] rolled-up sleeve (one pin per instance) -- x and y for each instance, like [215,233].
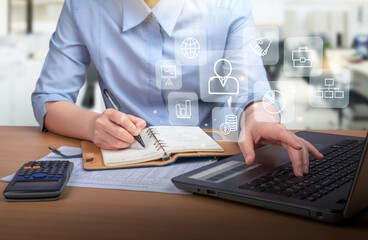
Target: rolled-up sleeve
[63,73]
[247,66]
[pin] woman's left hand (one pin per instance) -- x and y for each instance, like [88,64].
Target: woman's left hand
[255,132]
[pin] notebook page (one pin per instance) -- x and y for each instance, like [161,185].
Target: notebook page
[135,154]
[186,139]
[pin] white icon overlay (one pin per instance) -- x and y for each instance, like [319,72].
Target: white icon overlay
[270,99]
[328,91]
[190,48]
[303,58]
[230,125]
[226,81]
[262,46]
[184,112]
[168,72]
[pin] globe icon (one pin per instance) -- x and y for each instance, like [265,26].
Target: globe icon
[190,48]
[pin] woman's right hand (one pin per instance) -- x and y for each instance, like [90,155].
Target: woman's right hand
[114,130]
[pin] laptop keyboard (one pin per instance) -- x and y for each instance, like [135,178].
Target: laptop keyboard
[336,169]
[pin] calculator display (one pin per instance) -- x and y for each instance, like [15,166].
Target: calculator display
[35,184]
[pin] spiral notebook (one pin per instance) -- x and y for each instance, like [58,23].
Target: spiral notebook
[161,142]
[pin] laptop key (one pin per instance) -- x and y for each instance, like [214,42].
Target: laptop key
[336,169]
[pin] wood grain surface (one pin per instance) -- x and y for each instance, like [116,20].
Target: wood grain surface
[84,213]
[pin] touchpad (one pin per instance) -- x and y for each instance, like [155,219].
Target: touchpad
[319,146]
[224,171]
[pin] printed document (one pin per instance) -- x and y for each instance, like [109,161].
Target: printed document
[152,179]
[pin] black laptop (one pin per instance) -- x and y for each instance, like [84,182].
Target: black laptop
[335,189]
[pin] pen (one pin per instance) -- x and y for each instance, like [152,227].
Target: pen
[116,106]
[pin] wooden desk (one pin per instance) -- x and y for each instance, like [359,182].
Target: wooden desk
[114,214]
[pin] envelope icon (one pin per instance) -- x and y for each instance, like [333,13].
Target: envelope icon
[303,58]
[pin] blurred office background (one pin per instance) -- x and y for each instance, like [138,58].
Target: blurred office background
[26,26]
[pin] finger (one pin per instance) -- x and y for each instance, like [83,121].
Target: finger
[314,151]
[287,137]
[139,122]
[104,145]
[304,154]
[295,159]
[114,143]
[247,148]
[124,121]
[119,133]
[305,159]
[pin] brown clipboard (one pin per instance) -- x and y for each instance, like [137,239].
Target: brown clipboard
[93,160]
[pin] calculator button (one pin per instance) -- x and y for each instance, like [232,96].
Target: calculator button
[27,167]
[36,167]
[58,176]
[39,175]
[50,176]
[27,176]
[19,177]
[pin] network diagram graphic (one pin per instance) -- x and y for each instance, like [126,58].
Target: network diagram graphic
[190,48]
[328,91]
[302,58]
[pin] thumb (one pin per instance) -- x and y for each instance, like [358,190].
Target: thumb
[247,147]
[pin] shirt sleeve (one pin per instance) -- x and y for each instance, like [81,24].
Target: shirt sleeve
[63,73]
[247,66]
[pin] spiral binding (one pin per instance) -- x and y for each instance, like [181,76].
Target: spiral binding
[159,144]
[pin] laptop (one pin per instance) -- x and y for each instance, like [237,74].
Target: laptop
[334,190]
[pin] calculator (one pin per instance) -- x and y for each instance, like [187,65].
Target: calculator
[39,181]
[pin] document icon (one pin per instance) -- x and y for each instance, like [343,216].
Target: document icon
[223,85]
[303,58]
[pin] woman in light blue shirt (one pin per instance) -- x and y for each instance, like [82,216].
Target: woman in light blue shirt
[126,39]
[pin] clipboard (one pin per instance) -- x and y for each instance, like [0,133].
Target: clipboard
[93,160]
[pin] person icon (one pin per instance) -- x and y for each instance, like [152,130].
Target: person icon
[223,85]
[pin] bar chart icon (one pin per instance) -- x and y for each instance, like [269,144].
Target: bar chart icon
[184,112]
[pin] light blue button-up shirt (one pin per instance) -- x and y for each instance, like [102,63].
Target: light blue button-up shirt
[125,39]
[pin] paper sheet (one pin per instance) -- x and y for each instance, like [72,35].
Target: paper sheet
[152,179]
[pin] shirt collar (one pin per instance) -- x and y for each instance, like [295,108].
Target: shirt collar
[167,13]
[134,13]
